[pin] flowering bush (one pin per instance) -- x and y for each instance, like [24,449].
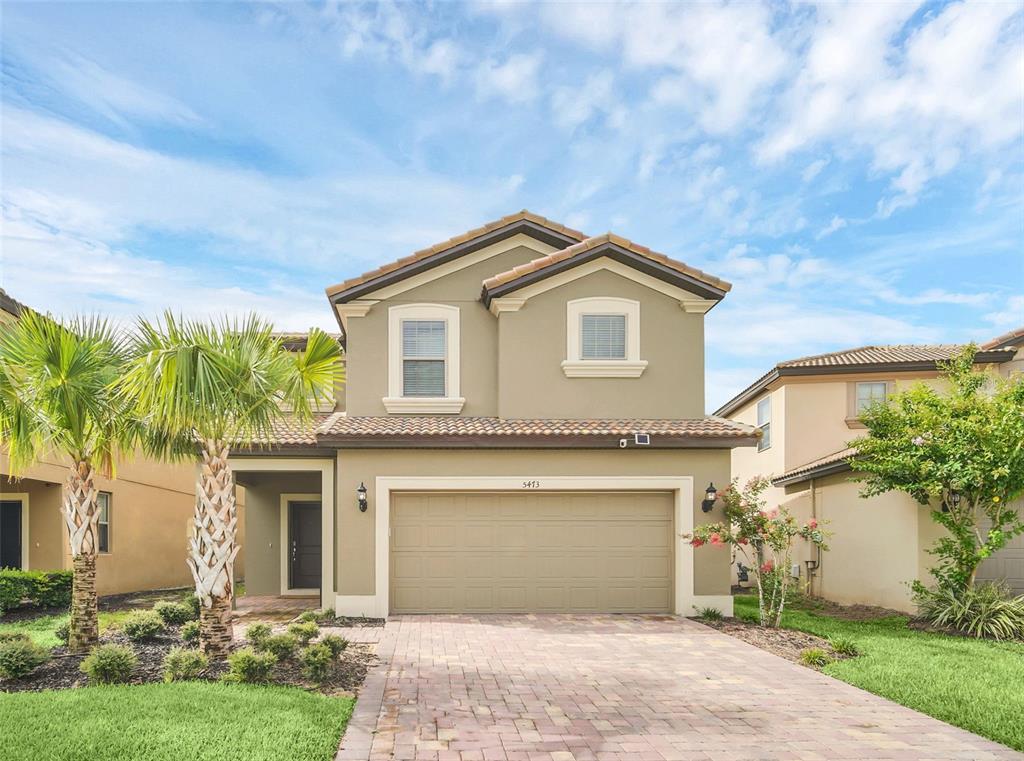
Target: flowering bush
[764,538]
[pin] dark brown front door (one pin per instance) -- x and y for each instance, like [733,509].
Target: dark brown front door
[304,545]
[10,533]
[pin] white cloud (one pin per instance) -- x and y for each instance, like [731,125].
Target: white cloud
[934,296]
[515,79]
[572,106]
[835,224]
[813,169]
[1009,315]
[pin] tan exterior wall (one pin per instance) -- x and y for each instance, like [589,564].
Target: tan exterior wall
[532,346]
[262,543]
[748,462]
[356,531]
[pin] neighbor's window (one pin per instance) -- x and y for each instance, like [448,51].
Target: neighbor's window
[870,393]
[603,336]
[424,352]
[103,523]
[764,422]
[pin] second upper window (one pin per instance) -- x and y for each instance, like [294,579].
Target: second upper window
[424,353]
[603,338]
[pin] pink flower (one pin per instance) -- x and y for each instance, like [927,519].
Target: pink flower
[772,515]
[812,524]
[744,541]
[696,542]
[716,539]
[767,566]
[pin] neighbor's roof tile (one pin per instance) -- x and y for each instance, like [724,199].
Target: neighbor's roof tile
[1007,340]
[809,467]
[866,355]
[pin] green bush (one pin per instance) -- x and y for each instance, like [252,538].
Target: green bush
[63,633]
[40,589]
[988,609]
[335,644]
[173,613]
[110,664]
[310,615]
[189,631]
[19,657]
[305,632]
[815,657]
[844,646]
[11,636]
[250,667]
[710,614]
[194,603]
[183,663]
[316,662]
[257,634]
[281,645]
[142,624]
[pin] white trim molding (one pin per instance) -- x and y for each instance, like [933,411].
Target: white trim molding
[286,500]
[575,366]
[506,304]
[21,497]
[353,309]
[325,467]
[452,402]
[686,601]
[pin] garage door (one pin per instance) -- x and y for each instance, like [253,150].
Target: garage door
[1007,564]
[501,552]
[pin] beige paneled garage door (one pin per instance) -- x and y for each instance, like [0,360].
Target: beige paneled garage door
[535,551]
[1007,564]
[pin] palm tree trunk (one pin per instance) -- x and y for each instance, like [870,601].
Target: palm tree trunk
[213,547]
[80,514]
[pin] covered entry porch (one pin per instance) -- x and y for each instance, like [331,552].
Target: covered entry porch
[288,528]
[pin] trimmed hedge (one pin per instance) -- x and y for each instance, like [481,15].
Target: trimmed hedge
[40,589]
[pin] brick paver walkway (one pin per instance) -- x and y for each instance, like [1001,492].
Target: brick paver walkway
[618,688]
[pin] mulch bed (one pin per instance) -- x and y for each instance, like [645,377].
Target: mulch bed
[351,622]
[786,643]
[63,672]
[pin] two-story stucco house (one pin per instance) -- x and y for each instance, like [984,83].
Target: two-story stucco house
[523,431]
[808,410]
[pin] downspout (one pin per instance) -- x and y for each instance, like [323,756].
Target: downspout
[813,565]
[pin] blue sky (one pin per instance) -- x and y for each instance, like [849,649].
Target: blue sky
[857,171]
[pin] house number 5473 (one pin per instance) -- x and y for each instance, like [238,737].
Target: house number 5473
[531,484]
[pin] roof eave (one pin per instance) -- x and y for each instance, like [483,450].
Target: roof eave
[547,441]
[819,472]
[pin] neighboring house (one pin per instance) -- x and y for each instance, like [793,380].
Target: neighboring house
[808,410]
[143,524]
[524,431]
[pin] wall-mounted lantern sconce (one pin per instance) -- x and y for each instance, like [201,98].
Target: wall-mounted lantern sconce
[710,495]
[361,496]
[954,500]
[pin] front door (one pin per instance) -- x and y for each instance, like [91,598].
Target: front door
[10,534]
[304,566]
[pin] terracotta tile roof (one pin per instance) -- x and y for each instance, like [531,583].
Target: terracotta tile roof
[598,240]
[290,431]
[497,224]
[453,425]
[1005,341]
[11,305]
[809,469]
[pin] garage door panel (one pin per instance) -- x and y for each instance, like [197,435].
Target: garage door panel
[542,551]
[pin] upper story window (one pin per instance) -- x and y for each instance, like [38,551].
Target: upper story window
[870,393]
[103,522]
[423,359]
[764,422]
[603,338]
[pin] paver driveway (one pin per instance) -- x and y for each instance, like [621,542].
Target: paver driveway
[620,687]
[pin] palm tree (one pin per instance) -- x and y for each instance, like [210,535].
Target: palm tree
[224,384]
[57,396]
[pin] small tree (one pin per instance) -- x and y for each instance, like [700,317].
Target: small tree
[764,538]
[961,453]
[222,385]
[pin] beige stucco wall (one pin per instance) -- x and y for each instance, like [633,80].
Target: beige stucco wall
[748,462]
[532,346]
[262,542]
[356,531]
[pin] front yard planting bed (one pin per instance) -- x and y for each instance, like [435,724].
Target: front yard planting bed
[170,722]
[970,683]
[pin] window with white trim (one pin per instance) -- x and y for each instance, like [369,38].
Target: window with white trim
[423,359]
[103,522]
[603,338]
[869,393]
[764,423]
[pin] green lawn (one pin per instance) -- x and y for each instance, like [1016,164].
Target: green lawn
[170,722]
[974,684]
[41,629]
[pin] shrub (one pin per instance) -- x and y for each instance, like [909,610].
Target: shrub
[63,633]
[142,624]
[709,614]
[194,603]
[21,656]
[250,667]
[110,664]
[304,632]
[190,631]
[335,644]
[173,613]
[281,645]
[326,614]
[310,615]
[257,634]
[183,663]
[984,610]
[11,636]
[316,661]
[844,646]
[815,657]
[40,589]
